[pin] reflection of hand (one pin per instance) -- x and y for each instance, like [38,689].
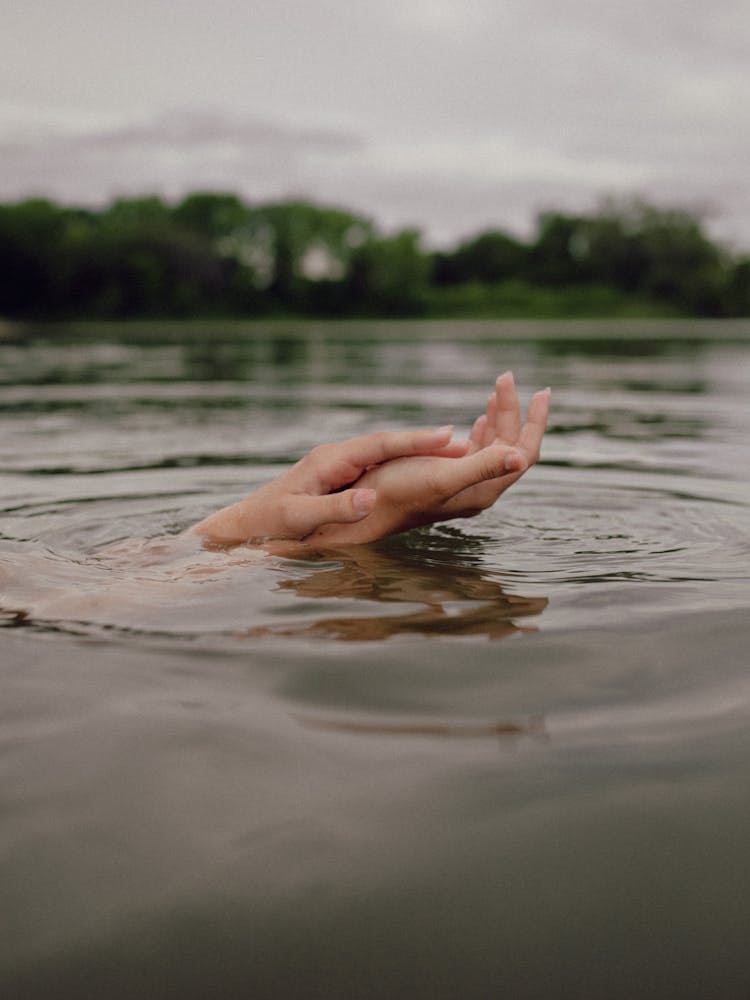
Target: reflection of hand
[305,497]
[422,489]
[478,604]
[432,621]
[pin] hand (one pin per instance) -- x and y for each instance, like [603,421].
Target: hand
[419,490]
[306,496]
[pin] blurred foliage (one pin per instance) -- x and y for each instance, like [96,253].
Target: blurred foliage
[214,255]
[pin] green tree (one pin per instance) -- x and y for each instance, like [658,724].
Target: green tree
[737,290]
[559,254]
[389,276]
[682,265]
[137,260]
[212,254]
[213,216]
[33,258]
[307,244]
[490,257]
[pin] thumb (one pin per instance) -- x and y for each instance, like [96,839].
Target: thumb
[346,507]
[488,463]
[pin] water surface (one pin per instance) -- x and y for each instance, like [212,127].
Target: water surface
[506,753]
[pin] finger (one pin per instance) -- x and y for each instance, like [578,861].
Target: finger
[476,437]
[478,497]
[490,419]
[508,410]
[456,449]
[482,495]
[335,465]
[453,476]
[532,432]
[304,514]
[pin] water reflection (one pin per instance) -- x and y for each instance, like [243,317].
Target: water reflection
[462,602]
[534,726]
[218,360]
[288,351]
[429,585]
[623,345]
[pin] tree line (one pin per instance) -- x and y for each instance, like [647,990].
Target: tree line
[212,254]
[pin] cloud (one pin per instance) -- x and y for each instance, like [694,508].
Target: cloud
[450,115]
[169,154]
[445,187]
[195,132]
[438,16]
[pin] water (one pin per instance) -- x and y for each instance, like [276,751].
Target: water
[509,754]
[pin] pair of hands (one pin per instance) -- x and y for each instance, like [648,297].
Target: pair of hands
[383,483]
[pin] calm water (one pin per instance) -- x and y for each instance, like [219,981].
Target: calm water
[508,756]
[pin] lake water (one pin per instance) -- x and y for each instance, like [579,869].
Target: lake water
[506,756]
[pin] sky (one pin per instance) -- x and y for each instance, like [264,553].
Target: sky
[451,116]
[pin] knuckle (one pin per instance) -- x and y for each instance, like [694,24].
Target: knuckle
[490,466]
[380,440]
[342,504]
[317,455]
[287,510]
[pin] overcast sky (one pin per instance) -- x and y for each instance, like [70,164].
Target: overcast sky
[449,115]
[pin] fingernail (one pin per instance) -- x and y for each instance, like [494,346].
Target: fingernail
[547,390]
[364,501]
[447,430]
[513,462]
[508,374]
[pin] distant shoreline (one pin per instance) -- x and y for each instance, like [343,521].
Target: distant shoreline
[437,329]
[214,257]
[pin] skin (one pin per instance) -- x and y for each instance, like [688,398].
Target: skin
[381,484]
